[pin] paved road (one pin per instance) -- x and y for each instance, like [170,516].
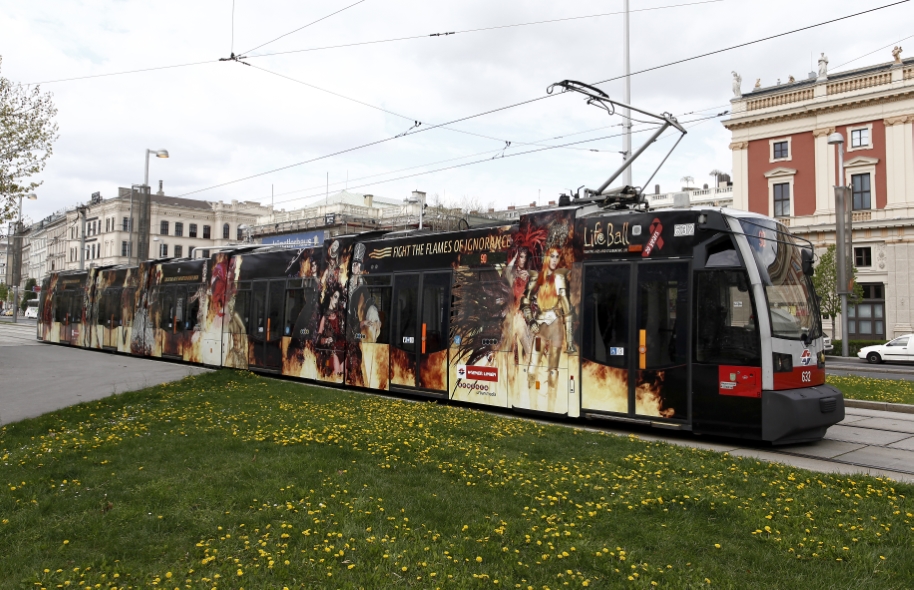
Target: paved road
[36,378]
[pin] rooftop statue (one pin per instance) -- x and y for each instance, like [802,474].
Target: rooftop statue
[823,67]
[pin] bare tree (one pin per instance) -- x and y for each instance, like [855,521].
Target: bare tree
[27,135]
[716,174]
[688,180]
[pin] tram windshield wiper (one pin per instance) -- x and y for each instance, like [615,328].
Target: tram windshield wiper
[598,98]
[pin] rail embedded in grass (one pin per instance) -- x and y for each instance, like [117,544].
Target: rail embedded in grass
[230,480]
[877,390]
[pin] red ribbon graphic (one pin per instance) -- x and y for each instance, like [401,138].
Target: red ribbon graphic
[655,228]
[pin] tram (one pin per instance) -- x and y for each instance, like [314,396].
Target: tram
[702,319]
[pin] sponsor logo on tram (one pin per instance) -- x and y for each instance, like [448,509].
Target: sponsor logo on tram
[656,241]
[805,357]
[603,234]
[477,373]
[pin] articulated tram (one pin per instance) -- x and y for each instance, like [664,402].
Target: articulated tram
[701,319]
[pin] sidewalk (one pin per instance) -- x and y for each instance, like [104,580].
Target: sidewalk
[38,378]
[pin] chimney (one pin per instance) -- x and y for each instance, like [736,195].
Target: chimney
[551,203]
[533,204]
[161,192]
[510,207]
[491,209]
[369,200]
[656,189]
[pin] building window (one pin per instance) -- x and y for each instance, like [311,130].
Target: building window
[163,250]
[781,151]
[192,230]
[190,251]
[860,138]
[125,248]
[179,250]
[205,254]
[782,200]
[863,257]
[240,237]
[206,232]
[126,226]
[163,228]
[225,231]
[866,320]
[179,229]
[861,188]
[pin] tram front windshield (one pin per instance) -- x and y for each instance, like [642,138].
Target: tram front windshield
[791,298]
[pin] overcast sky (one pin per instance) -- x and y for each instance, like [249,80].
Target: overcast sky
[226,121]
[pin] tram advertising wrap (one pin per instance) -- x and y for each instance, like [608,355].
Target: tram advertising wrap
[658,317]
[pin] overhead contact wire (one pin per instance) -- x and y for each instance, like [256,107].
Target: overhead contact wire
[539,98]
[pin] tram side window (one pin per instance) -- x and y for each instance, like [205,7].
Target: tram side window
[295,302]
[606,315]
[723,253]
[241,314]
[127,306]
[726,331]
[193,309]
[109,313]
[60,307]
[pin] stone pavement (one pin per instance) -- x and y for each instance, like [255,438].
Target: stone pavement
[36,378]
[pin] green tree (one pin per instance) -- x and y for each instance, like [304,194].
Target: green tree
[28,293]
[825,280]
[27,135]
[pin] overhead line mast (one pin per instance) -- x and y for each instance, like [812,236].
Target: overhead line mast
[626,113]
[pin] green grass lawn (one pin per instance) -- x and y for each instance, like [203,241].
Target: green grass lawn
[228,480]
[877,390]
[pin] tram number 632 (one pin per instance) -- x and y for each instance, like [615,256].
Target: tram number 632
[806,377]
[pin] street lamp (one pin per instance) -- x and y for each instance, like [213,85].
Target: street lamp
[158,154]
[841,237]
[18,275]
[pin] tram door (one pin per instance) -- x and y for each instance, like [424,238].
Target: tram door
[63,314]
[174,302]
[109,316]
[636,339]
[419,334]
[265,325]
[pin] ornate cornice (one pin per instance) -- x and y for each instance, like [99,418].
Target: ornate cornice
[739,145]
[823,131]
[901,120]
[780,172]
[817,109]
[861,161]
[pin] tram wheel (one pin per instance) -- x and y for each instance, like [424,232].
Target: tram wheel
[874,358]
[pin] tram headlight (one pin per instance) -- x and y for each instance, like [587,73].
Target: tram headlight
[783,363]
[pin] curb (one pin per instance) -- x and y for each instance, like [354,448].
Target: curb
[884,406]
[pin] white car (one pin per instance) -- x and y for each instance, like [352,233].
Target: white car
[899,349]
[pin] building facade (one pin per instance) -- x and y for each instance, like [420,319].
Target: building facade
[178,228]
[784,167]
